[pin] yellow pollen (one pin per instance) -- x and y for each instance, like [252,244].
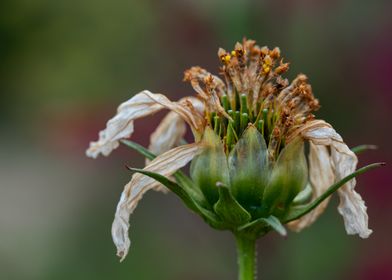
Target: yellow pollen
[266,68]
[233,53]
[268,60]
[227,58]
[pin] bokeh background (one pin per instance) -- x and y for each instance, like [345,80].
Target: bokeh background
[66,65]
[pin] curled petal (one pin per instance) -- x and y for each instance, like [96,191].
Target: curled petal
[172,128]
[214,88]
[165,164]
[183,108]
[310,126]
[351,206]
[344,162]
[171,131]
[200,74]
[321,177]
[121,125]
[168,134]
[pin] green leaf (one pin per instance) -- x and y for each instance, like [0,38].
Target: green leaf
[304,196]
[248,167]
[181,178]
[174,187]
[139,148]
[271,221]
[298,211]
[362,148]
[289,176]
[274,223]
[183,195]
[228,209]
[210,166]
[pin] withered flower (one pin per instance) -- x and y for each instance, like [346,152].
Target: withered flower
[249,171]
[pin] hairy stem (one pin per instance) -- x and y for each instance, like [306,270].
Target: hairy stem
[246,257]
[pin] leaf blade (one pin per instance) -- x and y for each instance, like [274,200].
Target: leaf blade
[362,148]
[298,212]
[180,176]
[182,194]
[139,148]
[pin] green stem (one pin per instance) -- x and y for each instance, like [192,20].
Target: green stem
[246,257]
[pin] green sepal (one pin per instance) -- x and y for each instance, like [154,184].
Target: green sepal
[304,196]
[209,216]
[210,166]
[248,167]
[228,209]
[289,176]
[297,212]
[262,223]
[362,148]
[181,178]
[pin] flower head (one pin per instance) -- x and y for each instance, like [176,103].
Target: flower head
[249,170]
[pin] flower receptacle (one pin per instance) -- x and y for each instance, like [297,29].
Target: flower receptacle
[244,185]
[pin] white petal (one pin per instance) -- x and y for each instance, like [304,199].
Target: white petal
[351,206]
[184,108]
[321,178]
[121,125]
[168,134]
[165,164]
[172,129]
[344,161]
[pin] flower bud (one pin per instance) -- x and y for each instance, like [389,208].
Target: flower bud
[288,177]
[248,166]
[210,167]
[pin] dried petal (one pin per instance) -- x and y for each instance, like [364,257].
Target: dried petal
[213,88]
[142,104]
[171,129]
[344,161]
[183,108]
[321,178]
[168,134]
[165,164]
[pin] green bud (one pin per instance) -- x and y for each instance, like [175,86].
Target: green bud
[225,102]
[248,165]
[210,167]
[289,176]
[243,121]
[244,106]
[217,125]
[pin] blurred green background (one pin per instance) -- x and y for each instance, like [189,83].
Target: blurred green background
[66,65]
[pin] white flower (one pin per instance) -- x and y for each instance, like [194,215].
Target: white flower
[254,96]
